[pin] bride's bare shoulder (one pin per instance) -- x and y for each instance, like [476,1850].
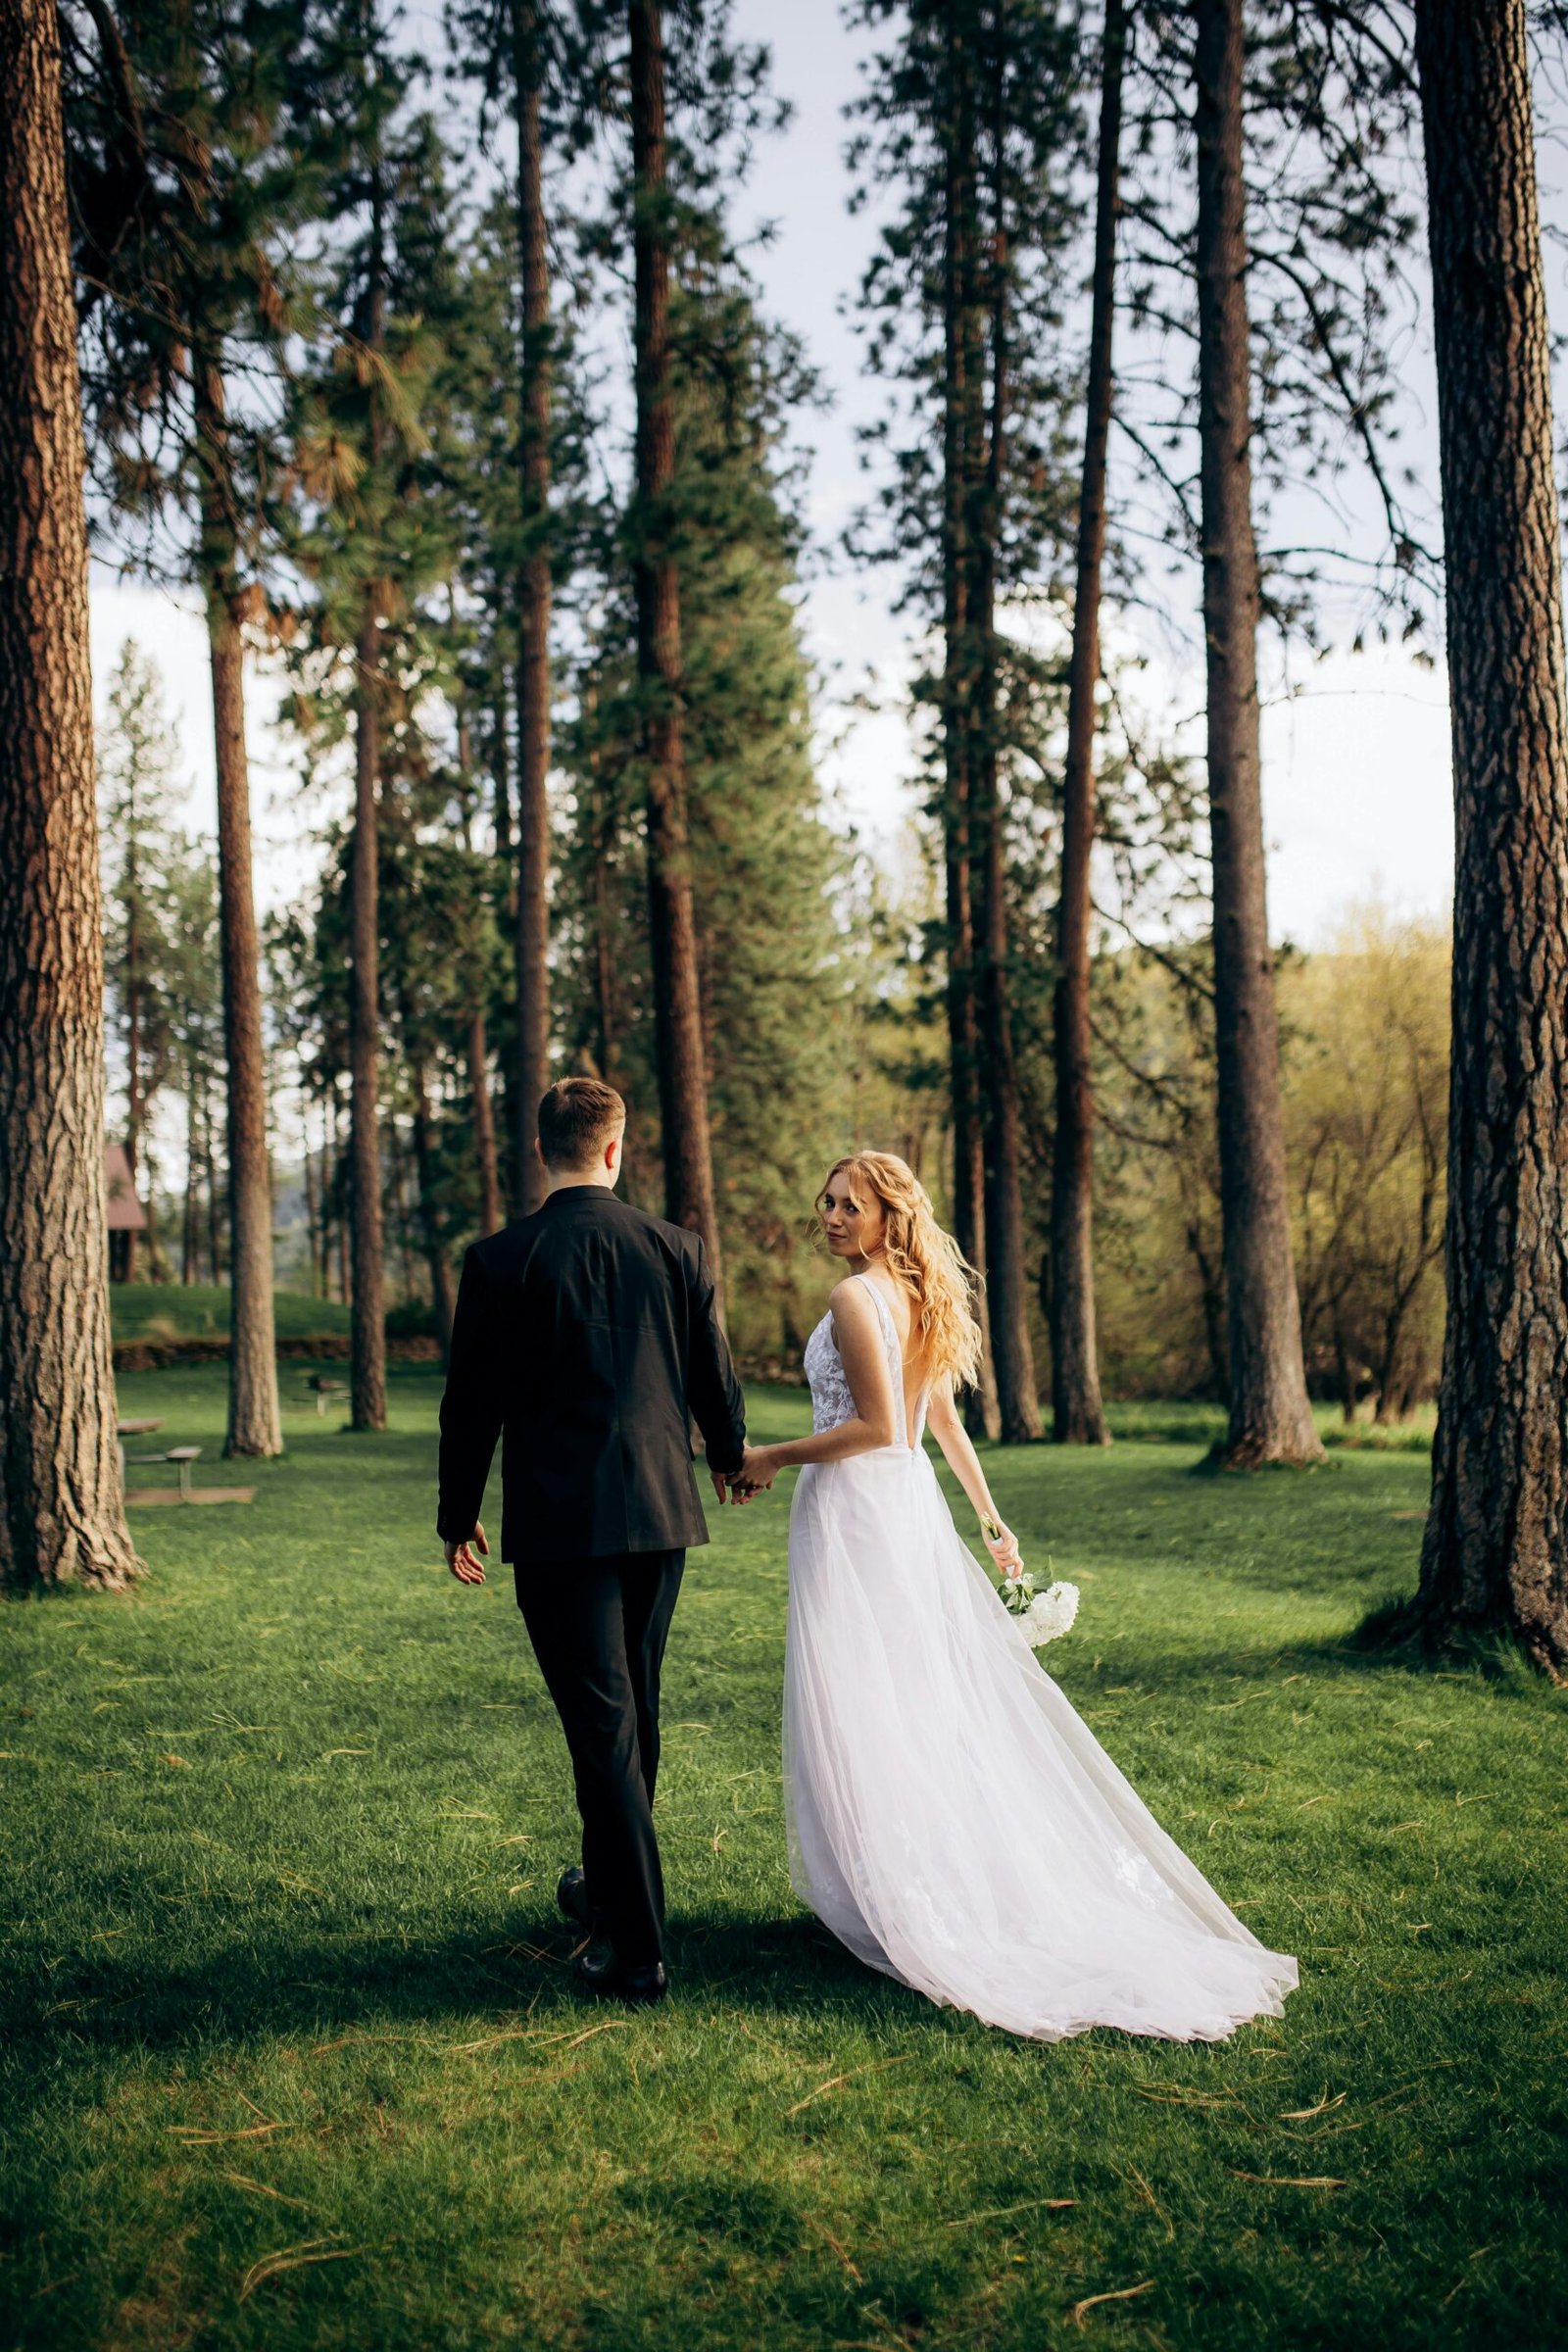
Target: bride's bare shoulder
[848,1298]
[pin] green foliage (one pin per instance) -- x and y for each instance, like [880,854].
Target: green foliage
[1331,155]
[766,868]
[285,1977]
[968,115]
[161,959]
[190,179]
[1365,1044]
[145,857]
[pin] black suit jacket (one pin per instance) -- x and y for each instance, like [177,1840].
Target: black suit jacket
[585,1336]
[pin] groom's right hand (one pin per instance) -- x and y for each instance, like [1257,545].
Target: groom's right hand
[461,1557]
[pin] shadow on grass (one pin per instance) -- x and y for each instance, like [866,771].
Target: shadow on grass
[323,1986]
[1399,1632]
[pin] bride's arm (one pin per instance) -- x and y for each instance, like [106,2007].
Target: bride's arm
[942,1419]
[858,1336]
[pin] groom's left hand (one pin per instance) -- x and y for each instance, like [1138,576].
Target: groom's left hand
[732,1485]
[461,1557]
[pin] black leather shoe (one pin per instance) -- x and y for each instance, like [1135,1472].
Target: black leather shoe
[599,1972]
[571,1894]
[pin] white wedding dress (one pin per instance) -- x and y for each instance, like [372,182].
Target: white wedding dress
[951,1817]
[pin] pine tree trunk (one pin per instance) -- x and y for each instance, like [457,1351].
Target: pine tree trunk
[324,1193]
[672,922]
[484,1117]
[1078,1416]
[484,1124]
[1496,1553]
[133,1102]
[309,1173]
[443,1294]
[368,1316]
[157,1263]
[1270,1417]
[190,1231]
[510,1124]
[1006,1276]
[254,1427]
[214,1214]
[534,612]
[607,1025]
[62,1513]
[501,765]
[982,1411]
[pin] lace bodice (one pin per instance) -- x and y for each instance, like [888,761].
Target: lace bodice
[832,1398]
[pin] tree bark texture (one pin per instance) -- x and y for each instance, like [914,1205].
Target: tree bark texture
[62,1512]
[215,1217]
[443,1290]
[368,1315]
[1007,1275]
[484,1124]
[133,1100]
[1270,1417]
[689,1197]
[960,366]
[532,936]
[255,1424]
[1496,1552]
[1078,1416]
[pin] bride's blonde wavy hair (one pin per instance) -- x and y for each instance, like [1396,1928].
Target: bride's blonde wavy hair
[926,1260]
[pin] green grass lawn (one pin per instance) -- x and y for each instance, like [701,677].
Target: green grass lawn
[177,1310]
[290,2058]
[1161,1421]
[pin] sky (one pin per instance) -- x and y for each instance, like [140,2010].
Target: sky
[1355,750]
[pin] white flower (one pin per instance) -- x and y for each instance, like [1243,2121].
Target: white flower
[1051,1614]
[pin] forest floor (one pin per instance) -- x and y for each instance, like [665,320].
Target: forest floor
[290,2058]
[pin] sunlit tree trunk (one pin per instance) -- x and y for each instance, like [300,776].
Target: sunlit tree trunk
[1496,1552]
[368,1315]
[134,1099]
[1006,1276]
[62,1514]
[673,923]
[443,1292]
[311,1214]
[1270,1417]
[533,611]
[484,1123]
[1078,1416]
[190,1231]
[255,1426]
[368,1312]
[961,370]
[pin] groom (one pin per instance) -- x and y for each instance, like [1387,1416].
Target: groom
[585,1337]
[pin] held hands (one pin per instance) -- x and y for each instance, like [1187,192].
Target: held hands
[461,1557]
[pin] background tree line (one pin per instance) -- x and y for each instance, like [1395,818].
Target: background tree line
[350,351]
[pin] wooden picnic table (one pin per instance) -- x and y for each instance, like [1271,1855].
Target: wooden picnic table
[184,1458]
[132,1429]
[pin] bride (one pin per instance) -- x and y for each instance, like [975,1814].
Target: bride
[951,1817]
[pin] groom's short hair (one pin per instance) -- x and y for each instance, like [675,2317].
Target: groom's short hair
[576,1119]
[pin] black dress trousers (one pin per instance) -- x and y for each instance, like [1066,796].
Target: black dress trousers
[598,1629]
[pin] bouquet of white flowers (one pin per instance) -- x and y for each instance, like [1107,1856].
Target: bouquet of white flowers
[1046,1615]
